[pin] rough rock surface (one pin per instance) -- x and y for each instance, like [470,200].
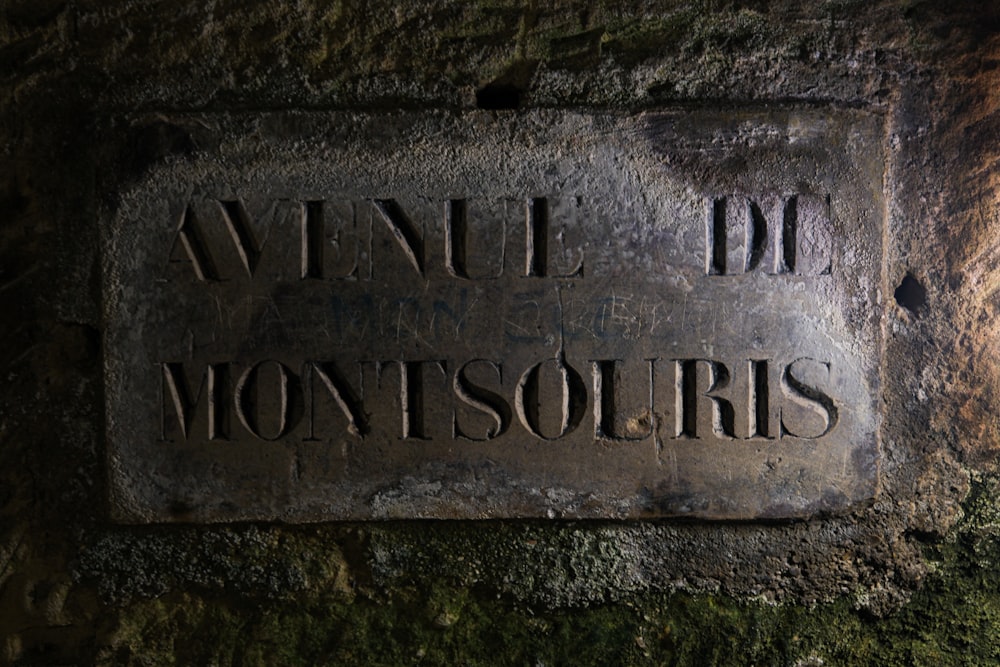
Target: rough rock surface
[909,579]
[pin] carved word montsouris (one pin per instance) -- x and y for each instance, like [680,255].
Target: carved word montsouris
[684,399]
[483,399]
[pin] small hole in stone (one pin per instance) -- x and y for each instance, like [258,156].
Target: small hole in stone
[498,96]
[911,294]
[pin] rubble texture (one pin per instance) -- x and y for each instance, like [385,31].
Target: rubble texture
[909,579]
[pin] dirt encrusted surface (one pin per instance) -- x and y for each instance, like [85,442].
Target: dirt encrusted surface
[910,578]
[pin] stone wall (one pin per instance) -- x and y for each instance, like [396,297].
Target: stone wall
[907,578]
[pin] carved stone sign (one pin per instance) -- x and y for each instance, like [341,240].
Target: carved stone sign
[349,316]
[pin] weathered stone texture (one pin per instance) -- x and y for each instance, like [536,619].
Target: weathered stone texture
[75,588]
[547,314]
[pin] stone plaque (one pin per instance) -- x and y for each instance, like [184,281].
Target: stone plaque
[339,316]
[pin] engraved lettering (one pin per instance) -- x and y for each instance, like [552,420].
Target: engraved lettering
[715,238]
[412,394]
[692,385]
[485,401]
[404,231]
[528,396]
[233,236]
[807,403]
[175,389]
[606,409]
[789,235]
[456,242]
[756,227]
[455,237]
[193,242]
[351,403]
[238,223]
[758,399]
[628,316]
[537,230]
[273,398]
[270,400]
[331,239]
[734,244]
[331,227]
[313,237]
[536,243]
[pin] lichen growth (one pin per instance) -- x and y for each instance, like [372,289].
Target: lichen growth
[431,619]
[255,562]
